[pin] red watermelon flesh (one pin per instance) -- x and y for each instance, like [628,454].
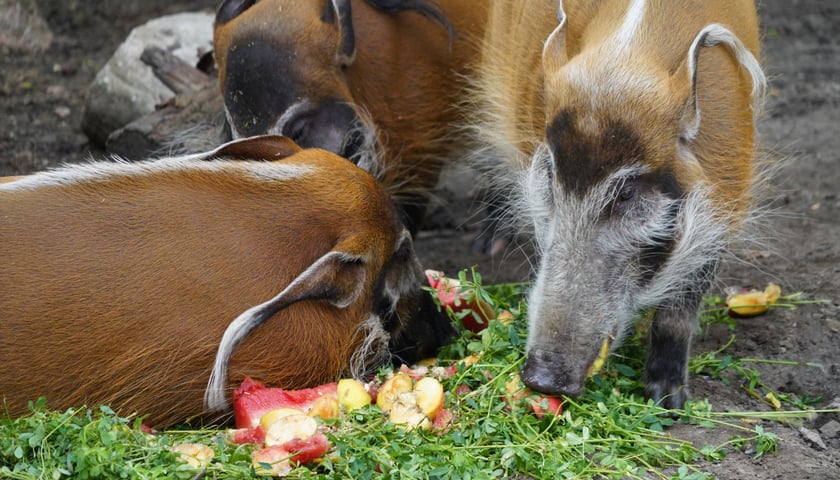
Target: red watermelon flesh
[253,399]
[449,295]
[254,435]
[307,450]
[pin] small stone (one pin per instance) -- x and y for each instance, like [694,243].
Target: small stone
[62,111]
[813,438]
[22,28]
[56,90]
[831,429]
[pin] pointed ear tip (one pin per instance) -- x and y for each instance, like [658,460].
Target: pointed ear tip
[262,147]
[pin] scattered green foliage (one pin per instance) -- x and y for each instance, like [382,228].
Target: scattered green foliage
[609,432]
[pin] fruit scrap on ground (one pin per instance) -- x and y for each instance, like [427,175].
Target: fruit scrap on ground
[282,423]
[749,303]
[411,404]
[195,455]
[474,312]
[518,393]
[253,399]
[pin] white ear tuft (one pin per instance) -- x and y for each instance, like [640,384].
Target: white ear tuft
[710,36]
[554,50]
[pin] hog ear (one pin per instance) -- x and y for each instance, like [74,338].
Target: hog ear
[686,77]
[339,11]
[264,147]
[337,278]
[230,9]
[554,52]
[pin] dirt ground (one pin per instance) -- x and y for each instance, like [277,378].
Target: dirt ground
[41,98]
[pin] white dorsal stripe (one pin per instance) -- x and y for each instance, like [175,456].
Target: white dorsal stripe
[118,168]
[632,22]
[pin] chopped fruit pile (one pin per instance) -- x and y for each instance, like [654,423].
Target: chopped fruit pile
[749,303]
[288,427]
[411,404]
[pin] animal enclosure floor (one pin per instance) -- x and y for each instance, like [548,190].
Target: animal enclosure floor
[41,98]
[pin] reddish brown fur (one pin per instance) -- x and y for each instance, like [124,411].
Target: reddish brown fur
[116,290]
[407,74]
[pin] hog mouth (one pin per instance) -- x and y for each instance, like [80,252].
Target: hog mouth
[550,372]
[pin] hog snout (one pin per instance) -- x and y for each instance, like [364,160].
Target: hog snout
[429,329]
[549,373]
[331,126]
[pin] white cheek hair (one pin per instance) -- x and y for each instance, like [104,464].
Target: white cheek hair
[701,239]
[373,350]
[369,157]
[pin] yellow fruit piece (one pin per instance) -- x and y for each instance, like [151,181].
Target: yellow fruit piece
[390,390]
[754,302]
[773,400]
[601,359]
[407,414]
[427,362]
[325,407]
[428,393]
[352,394]
[272,416]
[195,455]
[514,384]
[772,292]
[471,360]
[505,317]
[290,427]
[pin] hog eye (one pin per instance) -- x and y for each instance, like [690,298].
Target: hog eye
[625,196]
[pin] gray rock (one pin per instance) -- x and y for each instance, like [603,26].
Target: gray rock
[831,429]
[126,88]
[813,438]
[22,28]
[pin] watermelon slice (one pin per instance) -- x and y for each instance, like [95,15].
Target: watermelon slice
[307,450]
[254,435]
[278,460]
[253,399]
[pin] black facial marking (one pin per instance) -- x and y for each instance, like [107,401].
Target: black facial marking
[259,85]
[424,329]
[653,255]
[583,160]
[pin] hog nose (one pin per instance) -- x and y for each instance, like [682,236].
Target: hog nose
[549,377]
[330,127]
